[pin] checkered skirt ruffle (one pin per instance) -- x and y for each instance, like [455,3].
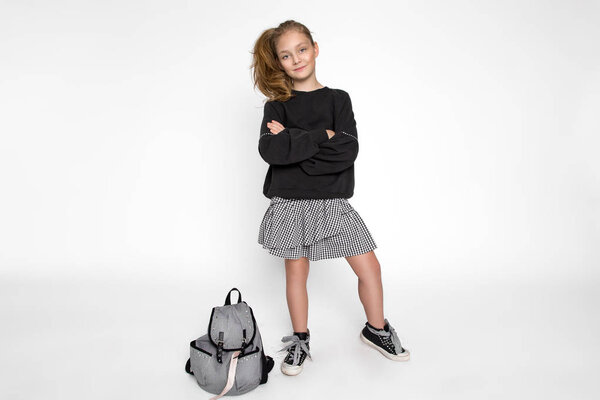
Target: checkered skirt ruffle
[314,228]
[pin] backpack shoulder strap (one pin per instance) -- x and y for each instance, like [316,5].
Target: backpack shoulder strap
[188,367]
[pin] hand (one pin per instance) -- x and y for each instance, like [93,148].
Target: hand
[275,127]
[330,133]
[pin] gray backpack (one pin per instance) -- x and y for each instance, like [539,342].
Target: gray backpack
[230,359]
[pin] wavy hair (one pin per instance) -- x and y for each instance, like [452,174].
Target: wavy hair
[267,75]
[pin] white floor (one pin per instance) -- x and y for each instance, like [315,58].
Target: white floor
[122,340]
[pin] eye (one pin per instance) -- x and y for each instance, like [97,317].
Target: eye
[304,48]
[283,58]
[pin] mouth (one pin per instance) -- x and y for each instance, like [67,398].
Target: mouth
[300,69]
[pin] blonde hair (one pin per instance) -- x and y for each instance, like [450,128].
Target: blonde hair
[267,75]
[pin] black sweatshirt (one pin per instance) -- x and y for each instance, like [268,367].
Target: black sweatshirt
[303,162]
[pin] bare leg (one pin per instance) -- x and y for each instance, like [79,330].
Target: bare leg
[296,275]
[370,289]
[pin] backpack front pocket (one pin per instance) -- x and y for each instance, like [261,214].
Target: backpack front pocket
[248,372]
[201,359]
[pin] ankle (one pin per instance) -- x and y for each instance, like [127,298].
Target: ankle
[382,328]
[301,335]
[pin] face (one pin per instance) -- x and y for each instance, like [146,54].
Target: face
[296,56]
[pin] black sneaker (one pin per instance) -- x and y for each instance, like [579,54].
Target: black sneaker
[297,350]
[385,341]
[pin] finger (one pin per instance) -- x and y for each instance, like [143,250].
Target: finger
[278,124]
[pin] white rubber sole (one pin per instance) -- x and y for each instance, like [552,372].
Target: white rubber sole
[291,370]
[405,356]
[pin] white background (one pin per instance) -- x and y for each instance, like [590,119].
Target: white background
[131,196]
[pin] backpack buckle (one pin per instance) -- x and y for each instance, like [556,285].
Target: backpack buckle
[220,348]
[243,347]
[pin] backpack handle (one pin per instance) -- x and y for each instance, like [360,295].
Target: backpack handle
[228,299]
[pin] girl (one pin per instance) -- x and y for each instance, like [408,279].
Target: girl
[308,137]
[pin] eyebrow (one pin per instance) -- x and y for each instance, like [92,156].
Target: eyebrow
[299,44]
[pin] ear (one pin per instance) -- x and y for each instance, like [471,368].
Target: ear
[316,49]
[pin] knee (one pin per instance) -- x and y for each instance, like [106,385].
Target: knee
[295,279]
[372,273]
[296,276]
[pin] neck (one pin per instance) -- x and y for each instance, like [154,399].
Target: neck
[307,86]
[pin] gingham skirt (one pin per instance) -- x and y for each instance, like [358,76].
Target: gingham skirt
[313,228]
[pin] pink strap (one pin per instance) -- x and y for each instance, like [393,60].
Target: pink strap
[230,377]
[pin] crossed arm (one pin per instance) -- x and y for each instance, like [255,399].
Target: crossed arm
[276,127]
[318,151]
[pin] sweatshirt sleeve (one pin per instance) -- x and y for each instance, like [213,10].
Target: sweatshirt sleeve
[340,152]
[289,146]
